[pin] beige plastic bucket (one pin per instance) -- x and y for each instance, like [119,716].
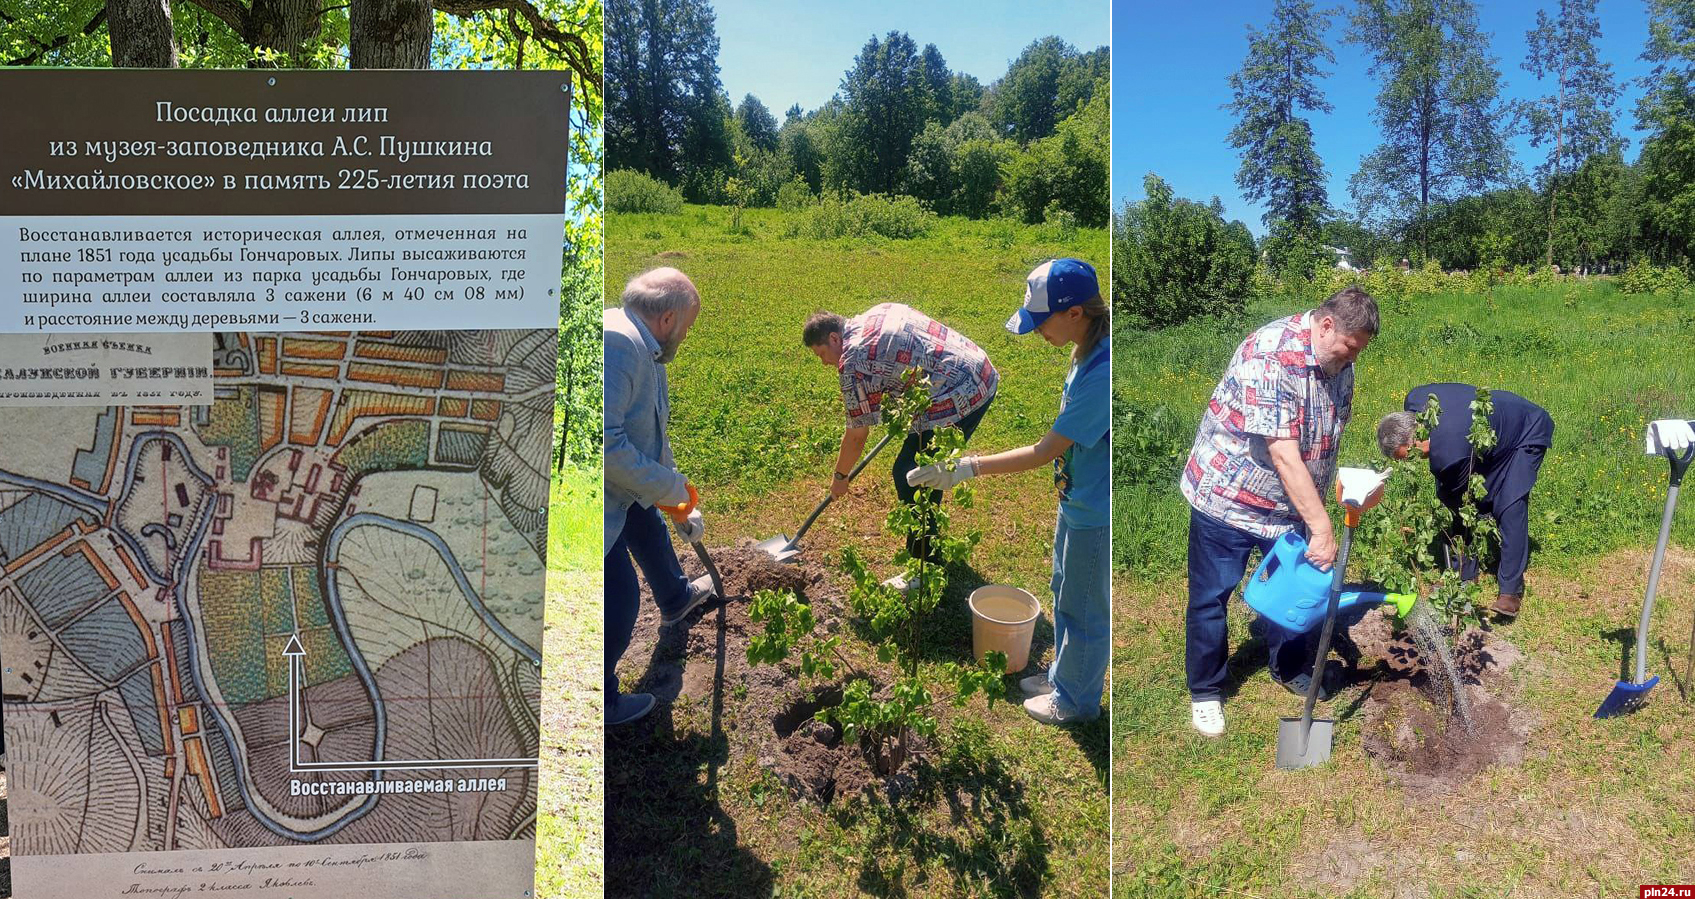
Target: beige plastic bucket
[1003,618]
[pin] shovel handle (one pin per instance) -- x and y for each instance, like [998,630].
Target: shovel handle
[680,513]
[711,570]
[865,460]
[1317,679]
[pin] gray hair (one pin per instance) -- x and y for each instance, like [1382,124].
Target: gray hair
[657,291]
[1395,431]
[1353,310]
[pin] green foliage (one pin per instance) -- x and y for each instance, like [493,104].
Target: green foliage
[895,217]
[1437,107]
[1645,278]
[1667,111]
[1175,260]
[1046,83]
[885,721]
[1575,121]
[794,195]
[1149,442]
[1067,171]
[1280,166]
[632,191]
[667,114]
[1405,543]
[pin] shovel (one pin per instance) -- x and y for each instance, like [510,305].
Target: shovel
[783,548]
[1303,742]
[681,513]
[1628,696]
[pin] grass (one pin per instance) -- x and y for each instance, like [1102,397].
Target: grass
[1197,817]
[570,830]
[755,424]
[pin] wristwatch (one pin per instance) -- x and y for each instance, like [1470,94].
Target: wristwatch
[840,476]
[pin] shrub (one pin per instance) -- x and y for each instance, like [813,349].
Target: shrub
[1149,443]
[632,191]
[1644,278]
[864,215]
[794,195]
[1174,260]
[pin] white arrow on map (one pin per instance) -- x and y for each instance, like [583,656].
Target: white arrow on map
[295,652]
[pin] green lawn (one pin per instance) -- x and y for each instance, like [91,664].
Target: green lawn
[570,830]
[1017,808]
[1597,807]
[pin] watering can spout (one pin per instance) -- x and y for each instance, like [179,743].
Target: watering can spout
[1402,602]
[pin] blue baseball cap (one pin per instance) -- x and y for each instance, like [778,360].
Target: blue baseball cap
[1054,286]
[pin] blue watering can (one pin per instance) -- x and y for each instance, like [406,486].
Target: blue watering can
[1293,593]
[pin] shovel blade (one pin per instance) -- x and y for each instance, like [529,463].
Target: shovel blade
[1302,746]
[780,547]
[1626,698]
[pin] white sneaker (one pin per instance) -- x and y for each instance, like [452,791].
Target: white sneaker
[1035,685]
[700,591]
[1207,717]
[1046,709]
[899,583]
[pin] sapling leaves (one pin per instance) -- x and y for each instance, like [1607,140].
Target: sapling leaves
[1406,544]
[885,719]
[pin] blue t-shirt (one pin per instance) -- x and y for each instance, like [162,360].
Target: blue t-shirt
[1083,474]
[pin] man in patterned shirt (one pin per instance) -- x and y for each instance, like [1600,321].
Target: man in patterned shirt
[1264,455]
[876,353]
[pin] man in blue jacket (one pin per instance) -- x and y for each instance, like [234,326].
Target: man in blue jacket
[656,311]
[1523,433]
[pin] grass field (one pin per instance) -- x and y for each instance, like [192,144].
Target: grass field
[570,832]
[1596,807]
[755,424]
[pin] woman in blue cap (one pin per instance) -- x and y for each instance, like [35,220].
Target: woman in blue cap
[1062,302]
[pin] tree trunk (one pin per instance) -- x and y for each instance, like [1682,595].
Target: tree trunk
[286,26]
[390,34]
[141,34]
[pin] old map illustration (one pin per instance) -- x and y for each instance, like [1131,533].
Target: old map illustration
[310,612]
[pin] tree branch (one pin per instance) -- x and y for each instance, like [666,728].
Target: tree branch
[571,46]
[231,12]
[43,48]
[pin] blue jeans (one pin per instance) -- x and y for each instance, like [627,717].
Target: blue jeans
[643,537]
[1082,620]
[1218,558]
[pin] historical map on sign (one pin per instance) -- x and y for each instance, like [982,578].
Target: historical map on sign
[310,612]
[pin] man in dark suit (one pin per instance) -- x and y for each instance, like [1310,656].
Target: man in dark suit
[1523,433]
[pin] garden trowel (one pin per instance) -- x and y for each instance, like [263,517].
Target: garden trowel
[1303,742]
[783,548]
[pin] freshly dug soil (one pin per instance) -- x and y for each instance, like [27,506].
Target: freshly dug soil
[1407,731]
[766,711]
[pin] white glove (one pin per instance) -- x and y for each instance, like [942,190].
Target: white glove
[1669,435]
[692,529]
[937,477]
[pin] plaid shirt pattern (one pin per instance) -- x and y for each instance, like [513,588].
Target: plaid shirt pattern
[880,347]
[1272,389]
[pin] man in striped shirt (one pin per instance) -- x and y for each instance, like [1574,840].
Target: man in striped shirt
[1262,459]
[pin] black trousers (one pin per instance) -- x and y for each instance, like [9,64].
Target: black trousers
[907,459]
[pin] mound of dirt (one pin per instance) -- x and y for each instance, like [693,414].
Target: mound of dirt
[1408,730]
[766,711]
[747,570]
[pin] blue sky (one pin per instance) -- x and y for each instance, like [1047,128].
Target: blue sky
[786,53]
[1171,62]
